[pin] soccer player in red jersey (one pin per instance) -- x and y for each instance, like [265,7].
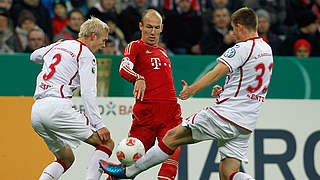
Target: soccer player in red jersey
[232,119]
[156,110]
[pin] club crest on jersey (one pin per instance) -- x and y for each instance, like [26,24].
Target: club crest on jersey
[229,53]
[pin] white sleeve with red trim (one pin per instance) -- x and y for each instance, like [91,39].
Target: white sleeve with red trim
[126,70]
[129,57]
[37,55]
[235,56]
[88,84]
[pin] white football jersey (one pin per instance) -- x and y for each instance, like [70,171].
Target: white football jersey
[66,66]
[246,85]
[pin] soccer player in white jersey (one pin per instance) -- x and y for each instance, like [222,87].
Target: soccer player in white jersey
[231,120]
[66,66]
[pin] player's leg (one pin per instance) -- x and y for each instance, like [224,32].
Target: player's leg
[169,168]
[188,132]
[233,153]
[65,158]
[63,153]
[103,151]
[143,125]
[161,151]
[241,176]
[227,167]
[229,170]
[171,117]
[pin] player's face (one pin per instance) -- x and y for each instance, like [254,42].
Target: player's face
[99,42]
[151,29]
[236,32]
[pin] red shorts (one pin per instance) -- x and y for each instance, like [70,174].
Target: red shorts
[153,120]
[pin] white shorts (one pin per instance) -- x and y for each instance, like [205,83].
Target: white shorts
[59,124]
[207,125]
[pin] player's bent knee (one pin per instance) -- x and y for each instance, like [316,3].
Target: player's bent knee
[170,139]
[95,141]
[70,161]
[67,160]
[229,167]
[65,155]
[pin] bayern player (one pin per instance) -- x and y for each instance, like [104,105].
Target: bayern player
[231,120]
[156,110]
[66,66]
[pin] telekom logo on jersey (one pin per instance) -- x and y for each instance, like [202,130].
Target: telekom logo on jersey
[156,63]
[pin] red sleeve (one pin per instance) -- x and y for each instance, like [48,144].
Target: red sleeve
[129,57]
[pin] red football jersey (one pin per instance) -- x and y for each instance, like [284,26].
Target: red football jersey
[151,62]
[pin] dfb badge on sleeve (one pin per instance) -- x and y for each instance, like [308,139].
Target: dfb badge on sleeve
[229,53]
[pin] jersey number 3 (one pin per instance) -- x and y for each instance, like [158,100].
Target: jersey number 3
[259,78]
[56,59]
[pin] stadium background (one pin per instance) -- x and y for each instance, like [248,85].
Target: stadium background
[284,146]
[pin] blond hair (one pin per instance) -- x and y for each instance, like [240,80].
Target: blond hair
[93,25]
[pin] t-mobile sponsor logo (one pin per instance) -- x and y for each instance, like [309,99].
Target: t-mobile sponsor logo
[156,63]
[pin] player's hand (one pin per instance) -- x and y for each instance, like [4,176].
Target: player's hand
[216,91]
[185,92]
[139,88]
[104,134]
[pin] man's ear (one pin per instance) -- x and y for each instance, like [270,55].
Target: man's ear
[140,26]
[240,27]
[93,35]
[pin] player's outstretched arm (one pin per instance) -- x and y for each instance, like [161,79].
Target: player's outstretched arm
[212,76]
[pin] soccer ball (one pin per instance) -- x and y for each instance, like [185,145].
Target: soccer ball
[129,150]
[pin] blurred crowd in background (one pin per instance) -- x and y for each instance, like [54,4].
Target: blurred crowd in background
[291,27]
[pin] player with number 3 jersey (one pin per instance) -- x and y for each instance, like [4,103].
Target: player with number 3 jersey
[66,66]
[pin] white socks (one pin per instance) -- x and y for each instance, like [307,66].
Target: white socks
[153,157]
[94,171]
[52,172]
[242,176]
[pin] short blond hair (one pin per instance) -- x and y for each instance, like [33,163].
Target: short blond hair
[93,25]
